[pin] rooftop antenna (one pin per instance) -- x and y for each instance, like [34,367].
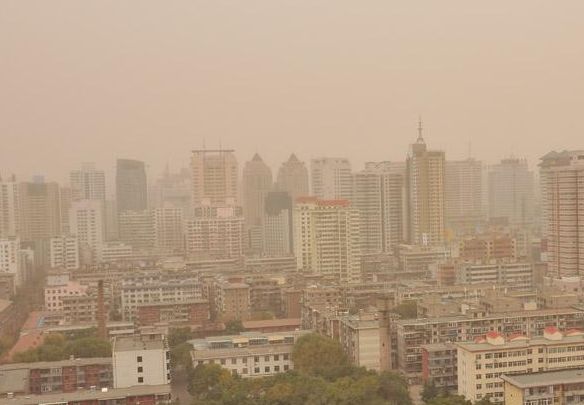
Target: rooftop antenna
[420,130]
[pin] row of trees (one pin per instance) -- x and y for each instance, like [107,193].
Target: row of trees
[60,347]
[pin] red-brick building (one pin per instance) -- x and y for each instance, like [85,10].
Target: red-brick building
[188,313]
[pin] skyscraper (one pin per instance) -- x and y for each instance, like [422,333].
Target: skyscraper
[169,228]
[425,183]
[9,208]
[327,238]
[87,223]
[511,192]
[378,195]
[562,180]
[331,178]
[278,226]
[257,183]
[131,186]
[293,178]
[87,183]
[214,177]
[40,210]
[463,191]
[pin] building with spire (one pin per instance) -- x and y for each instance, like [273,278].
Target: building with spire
[293,178]
[425,193]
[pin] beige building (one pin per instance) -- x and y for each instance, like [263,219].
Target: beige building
[562,387]
[140,360]
[511,191]
[562,181]
[293,178]
[360,338]
[215,176]
[137,229]
[327,238]
[425,183]
[331,178]
[9,208]
[169,229]
[463,195]
[40,210]
[87,223]
[482,364]
[87,183]
[232,300]
[257,183]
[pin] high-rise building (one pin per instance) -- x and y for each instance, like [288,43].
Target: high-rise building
[331,178]
[173,189]
[15,261]
[137,229]
[257,183]
[327,238]
[131,186]
[40,210]
[87,223]
[378,194]
[562,184]
[278,226]
[293,178]
[64,252]
[65,200]
[511,192]
[214,177]
[9,211]
[169,229]
[463,191]
[215,232]
[87,183]
[425,183]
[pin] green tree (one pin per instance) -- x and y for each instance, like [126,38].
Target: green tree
[394,388]
[181,355]
[407,309]
[319,355]
[234,327]
[449,400]
[207,380]
[89,347]
[430,392]
[484,401]
[178,336]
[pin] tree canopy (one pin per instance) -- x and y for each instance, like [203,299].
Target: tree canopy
[57,347]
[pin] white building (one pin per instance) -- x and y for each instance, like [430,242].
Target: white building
[511,191]
[215,232]
[115,252]
[518,275]
[482,363]
[562,181]
[137,229]
[64,252]
[54,294]
[215,175]
[327,238]
[140,360]
[87,223]
[331,178]
[169,229]
[9,208]
[87,183]
[248,355]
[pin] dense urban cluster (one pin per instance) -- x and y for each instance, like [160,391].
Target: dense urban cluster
[426,280]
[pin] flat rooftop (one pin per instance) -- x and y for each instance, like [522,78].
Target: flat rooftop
[89,395]
[134,343]
[570,376]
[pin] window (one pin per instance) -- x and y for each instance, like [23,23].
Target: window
[256,370]
[267,358]
[140,369]
[244,371]
[276,357]
[140,379]
[286,356]
[267,369]
[286,367]
[223,362]
[139,359]
[256,358]
[277,369]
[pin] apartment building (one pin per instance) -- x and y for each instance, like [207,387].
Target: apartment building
[173,313]
[421,261]
[249,354]
[439,366]
[561,387]
[154,287]
[482,363]
[232,300]
[518,275]
[360,338]
[140,360]
[64,252]
[80,309]
[54,294]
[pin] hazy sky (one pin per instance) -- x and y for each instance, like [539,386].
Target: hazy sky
[94,80]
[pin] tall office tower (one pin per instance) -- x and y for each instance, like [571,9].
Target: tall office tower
[137,229]
[169,229]
[131,186]
[562,181]
[425,183]
[65,200]
[257,183]
[327,238]
[463,191]
[9,211]
[278,226]
[87,183]
[40,210]
[111,220]
[173,189]
[293,178]
[87,223]
[214,177]
[331,178]
[511,192]
[379,193]
[215,233]
[64,252]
